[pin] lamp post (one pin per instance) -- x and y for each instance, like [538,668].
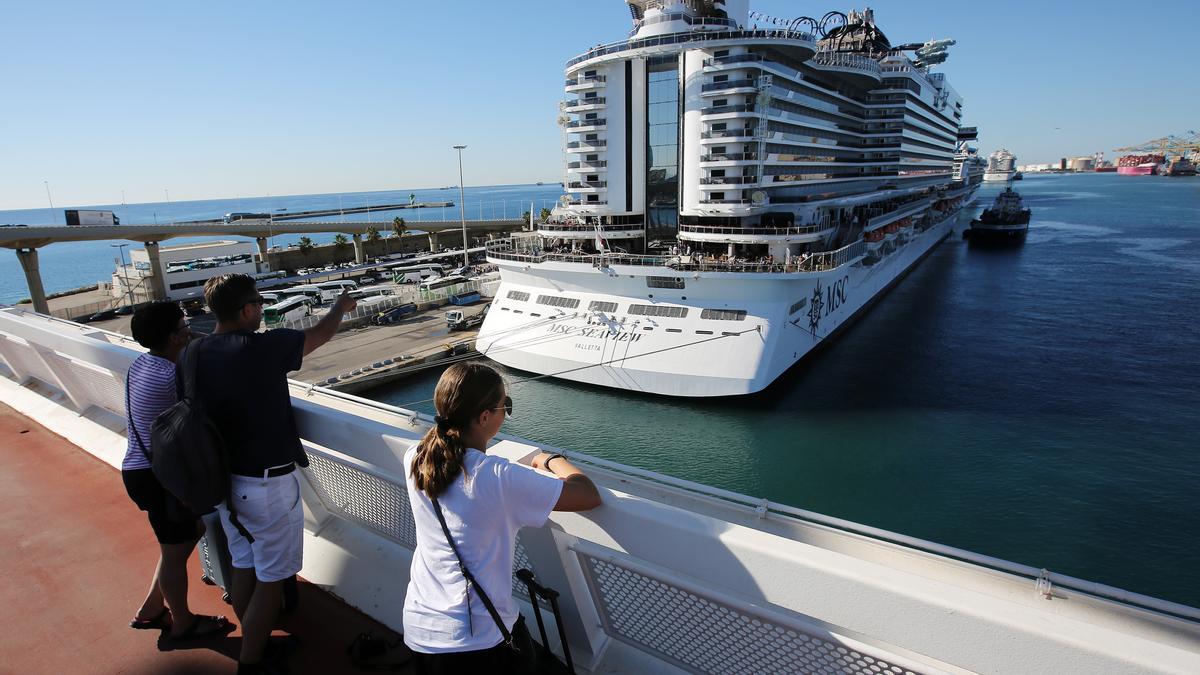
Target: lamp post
[124,271]
[462,206]
[53,220]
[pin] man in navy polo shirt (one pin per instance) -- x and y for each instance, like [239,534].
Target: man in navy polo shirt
[242,381]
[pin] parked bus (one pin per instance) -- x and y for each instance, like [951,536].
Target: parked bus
[330,290]
[292,309]
[442,282]
[371,293]
[412,274]
[312,293]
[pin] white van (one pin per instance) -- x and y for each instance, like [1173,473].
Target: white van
[292,309]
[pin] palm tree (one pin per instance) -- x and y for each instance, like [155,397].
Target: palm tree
[305,245]
[372,233]
[398,228]
[340,241]
[544,215]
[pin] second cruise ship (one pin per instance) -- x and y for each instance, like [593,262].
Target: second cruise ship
[739,187]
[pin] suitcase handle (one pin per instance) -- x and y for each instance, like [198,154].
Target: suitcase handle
[536,591]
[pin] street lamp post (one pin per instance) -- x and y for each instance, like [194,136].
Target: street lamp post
[53,220]
[462,206]
[124,271]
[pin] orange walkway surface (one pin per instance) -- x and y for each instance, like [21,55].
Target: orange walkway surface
[77,557]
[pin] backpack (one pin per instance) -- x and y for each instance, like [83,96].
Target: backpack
[190,458]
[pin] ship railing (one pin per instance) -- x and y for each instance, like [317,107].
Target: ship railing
[762,231]
[729,157]
[720,109]
[694,21]
[730,84]
[597,143]
[733,58]
[586,79]
[589,164]
[580,102]
[698,36]
[845,60]
[575,124]
[577,227]
[761,583]
[596,184]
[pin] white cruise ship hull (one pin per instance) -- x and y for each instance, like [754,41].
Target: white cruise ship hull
[690,356]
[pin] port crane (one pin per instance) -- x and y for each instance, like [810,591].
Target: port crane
[1180,145]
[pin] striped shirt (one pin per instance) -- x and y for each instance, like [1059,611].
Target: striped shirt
[151,391]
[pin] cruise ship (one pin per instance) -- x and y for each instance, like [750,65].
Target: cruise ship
[739,188]
[1001,167]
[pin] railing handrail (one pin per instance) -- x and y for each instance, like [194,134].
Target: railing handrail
[760,231]
[698,36]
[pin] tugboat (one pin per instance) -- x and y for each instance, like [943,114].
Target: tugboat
[1007,221]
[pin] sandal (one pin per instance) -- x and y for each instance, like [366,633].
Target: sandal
[160,622]
[204,626]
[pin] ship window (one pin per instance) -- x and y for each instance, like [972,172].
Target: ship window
[593,198]
[534,314]
[592,137]
[518,295]
[721,78]
[664,282]
[728,334]
[717,196]
[556,301]
[718,150]
[659,310]
[798,305]
[506,309]
[517,311]
[598,306]
[724,314]
[647,327]
[704,332]
[674,330]
[721,52]
[590,116]
[720,102]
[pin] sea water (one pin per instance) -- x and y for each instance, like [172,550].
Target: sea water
[1040,403]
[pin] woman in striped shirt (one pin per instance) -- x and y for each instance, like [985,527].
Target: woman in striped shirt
[151,389]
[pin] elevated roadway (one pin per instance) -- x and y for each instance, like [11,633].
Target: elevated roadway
[26,240]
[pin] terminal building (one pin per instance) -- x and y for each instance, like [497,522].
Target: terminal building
[184,269]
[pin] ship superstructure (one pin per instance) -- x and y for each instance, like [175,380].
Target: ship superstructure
[736,195]
[1001,167]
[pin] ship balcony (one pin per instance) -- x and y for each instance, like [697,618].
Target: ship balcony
[876,221]
[580,126]
[597,145]
[753,235]
[594,165]
[728,159]
[578,231]
[723,112]
[729,207]
[583,104]
[585,83]
[725,135]
[858,65]
[742,86]
[721,182]
[719,63]
[588,186]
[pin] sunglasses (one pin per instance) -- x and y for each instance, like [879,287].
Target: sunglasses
[507,407]
[258,300]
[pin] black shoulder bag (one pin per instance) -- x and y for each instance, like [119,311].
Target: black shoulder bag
[525,655]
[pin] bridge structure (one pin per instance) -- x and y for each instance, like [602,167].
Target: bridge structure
[26,240]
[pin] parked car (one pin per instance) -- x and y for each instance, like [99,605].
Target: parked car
[367,280]
[394,314]
[125,310]
[103,315]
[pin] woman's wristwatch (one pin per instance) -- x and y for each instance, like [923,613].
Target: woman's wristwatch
[555,456]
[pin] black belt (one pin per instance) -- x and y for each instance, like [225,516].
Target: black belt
[273,472]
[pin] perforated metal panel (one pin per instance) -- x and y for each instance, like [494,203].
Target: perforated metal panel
[99,388]
[520,560]
[27,363]
[362,498]
[703,634]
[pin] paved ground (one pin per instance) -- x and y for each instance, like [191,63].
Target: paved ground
[77,556]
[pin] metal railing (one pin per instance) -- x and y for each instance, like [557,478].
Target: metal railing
[589,79]
[845,60]
[575,124]
[576,227]
[729,157]
[730,84]
[589,164]
[729,180]
[579,102]
[732,58]
[755,231]
[720,109]
[731,133]
[598,143]
[684,38]
[587,185]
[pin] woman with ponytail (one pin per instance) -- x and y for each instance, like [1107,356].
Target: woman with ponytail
[468,507]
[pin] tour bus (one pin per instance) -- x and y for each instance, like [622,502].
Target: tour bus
[292,309]
[330,290]
[442,282]
[371,293]
[270,298]
[308,291]
[412,274]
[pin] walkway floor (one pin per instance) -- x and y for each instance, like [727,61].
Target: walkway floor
[77,556]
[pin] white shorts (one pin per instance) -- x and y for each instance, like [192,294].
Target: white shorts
[270,510]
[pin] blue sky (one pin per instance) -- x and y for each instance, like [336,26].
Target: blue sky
[221,99]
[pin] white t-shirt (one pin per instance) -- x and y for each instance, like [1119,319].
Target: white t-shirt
[484,508]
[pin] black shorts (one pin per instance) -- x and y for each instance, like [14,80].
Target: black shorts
[171,521]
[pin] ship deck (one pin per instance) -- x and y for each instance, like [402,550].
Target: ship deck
[78,562]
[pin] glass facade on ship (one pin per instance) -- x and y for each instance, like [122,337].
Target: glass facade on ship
[662,134]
